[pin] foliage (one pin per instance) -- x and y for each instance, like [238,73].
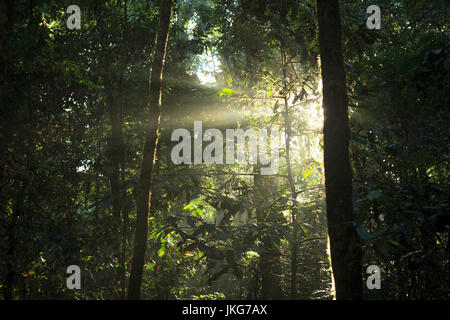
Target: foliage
[218,231]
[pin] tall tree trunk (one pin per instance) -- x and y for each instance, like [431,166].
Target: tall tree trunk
[290,178]
[11,264]
[344,241]
[270,264]
[287,133]
[143,195]
[6,35]
[116,158]
[116,155]
[114,99]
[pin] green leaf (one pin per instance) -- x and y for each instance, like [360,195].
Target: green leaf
[364,235]
[161,251]
[382,246]
[226,92]
[374,194]
[275,241]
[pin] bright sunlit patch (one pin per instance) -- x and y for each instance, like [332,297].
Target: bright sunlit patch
[207,68]
[207,64]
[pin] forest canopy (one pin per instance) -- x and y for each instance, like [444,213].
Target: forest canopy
[224,149]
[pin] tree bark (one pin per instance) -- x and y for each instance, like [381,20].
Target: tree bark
[290,178]
[287,133]
[143,190]
[116,160]
[344,241]
[116,155]
[11,253]
[270,263]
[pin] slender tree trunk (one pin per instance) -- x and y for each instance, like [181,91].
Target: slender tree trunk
[124,206]
[116,158]
[143,195]
[344,241]
[11,253]
[116,150]
[293,192]
[270,264]
[6,35]
[116,123]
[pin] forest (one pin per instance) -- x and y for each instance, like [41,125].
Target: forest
[224,150]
